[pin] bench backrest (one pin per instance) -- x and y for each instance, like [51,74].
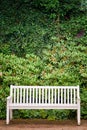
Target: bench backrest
[44,94]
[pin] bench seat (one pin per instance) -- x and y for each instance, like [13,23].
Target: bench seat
[42,106]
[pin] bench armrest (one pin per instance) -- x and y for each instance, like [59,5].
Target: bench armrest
[9,98]
[78,98]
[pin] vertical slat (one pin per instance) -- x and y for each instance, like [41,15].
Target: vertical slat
[55,95]
[71,95]
[46,95]
[23,95]
[64,95]
[26,95]
[30,96]
[58,95]
[49,95]
[12,91]
[74,96]
[36,95]
[61,96]
[68,95]
[17,95]
[33,95]
[52,96]
[20,95]
[42,95]
[39,95]
[14,95]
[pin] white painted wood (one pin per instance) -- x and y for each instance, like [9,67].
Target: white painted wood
[46,96]
[64,95]
[78,103]
[36,96]
[43,97]
[68,95]
[8,110]
[61,96]
[7,116]
[20,95]
[52,97]
[49,96]
[33,95]
[39,95]
[58,95]
[30,96]
[17,95]
[71,95]
[27,95]
[55,96]
[74,96]
[23,95]
[78,111]
[14,95]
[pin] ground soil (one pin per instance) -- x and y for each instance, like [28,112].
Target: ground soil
[39,124]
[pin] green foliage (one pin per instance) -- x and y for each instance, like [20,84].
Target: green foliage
[84,103]
[64,8]
[60,66]
[69,8]
[84,5]
[36,50]
[19,70]
[50,5]
[19,32]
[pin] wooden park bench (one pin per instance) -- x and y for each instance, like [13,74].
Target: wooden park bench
[43,97]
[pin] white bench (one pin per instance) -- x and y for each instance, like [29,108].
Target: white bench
[43,97]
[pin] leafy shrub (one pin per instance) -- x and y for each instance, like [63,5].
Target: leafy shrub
[64,8]
[34,50]
[59,66]
[84,103]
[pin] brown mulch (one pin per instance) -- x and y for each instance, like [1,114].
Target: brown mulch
[39,124]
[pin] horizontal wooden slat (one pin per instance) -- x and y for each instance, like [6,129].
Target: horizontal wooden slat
[45,87]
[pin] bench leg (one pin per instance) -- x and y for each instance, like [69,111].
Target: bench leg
[11,114]
[7,115]
[78,116]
